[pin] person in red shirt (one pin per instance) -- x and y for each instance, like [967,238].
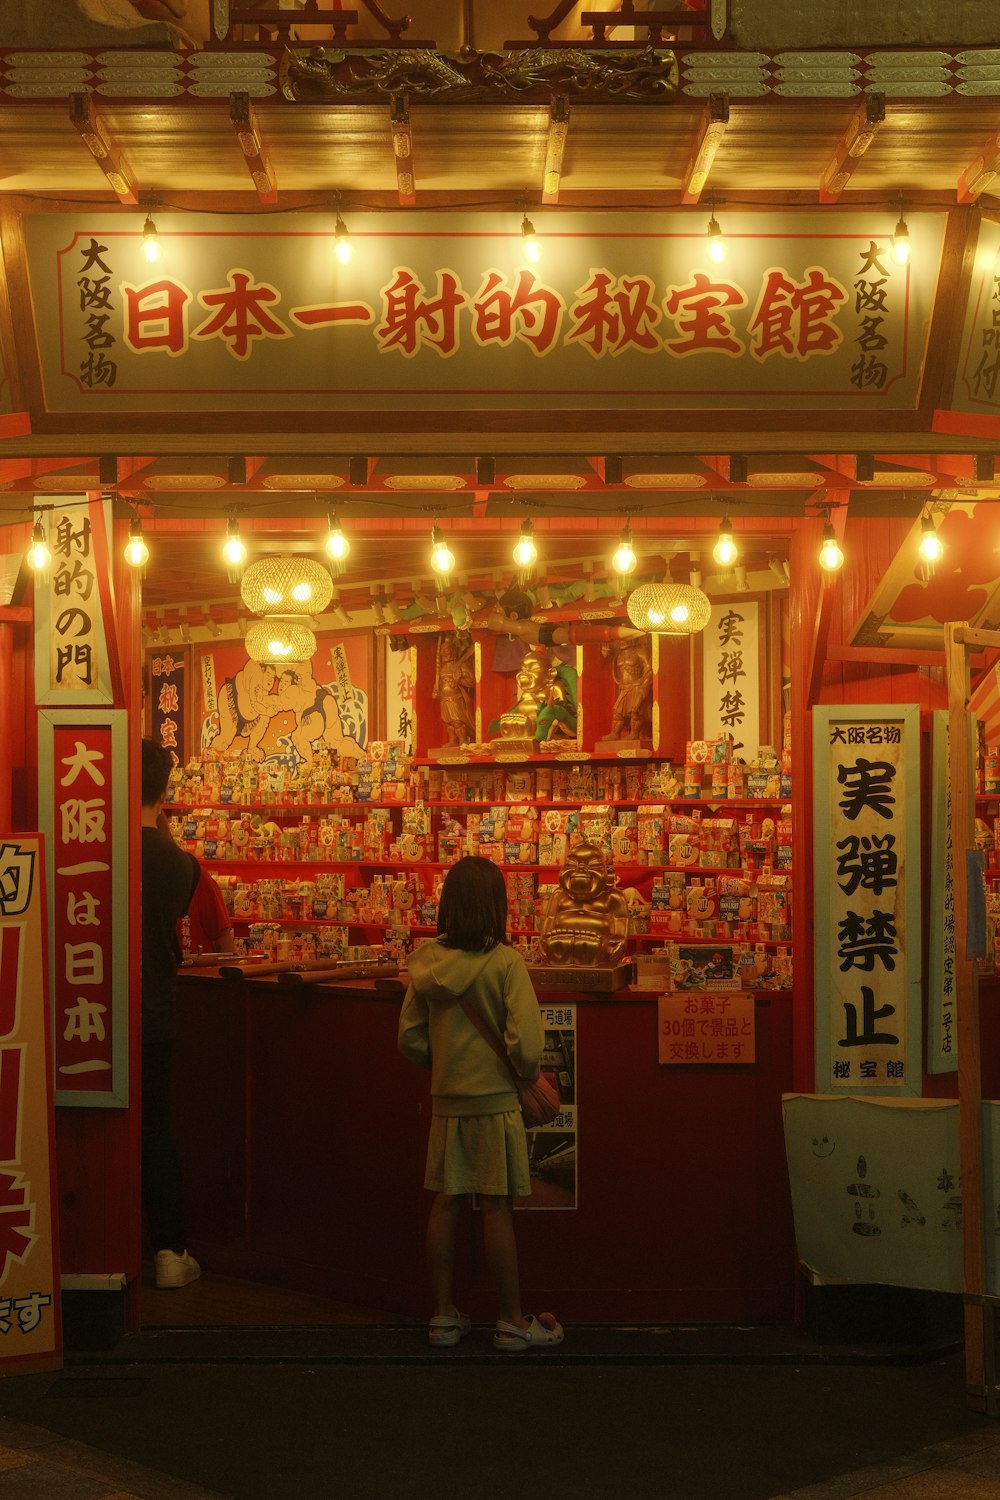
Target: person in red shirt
[206,926]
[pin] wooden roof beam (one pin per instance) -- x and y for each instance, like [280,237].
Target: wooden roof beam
[714,126]
[555,147]
[981,171]
[402,151]
[866,122]
[243,119]
[89,125]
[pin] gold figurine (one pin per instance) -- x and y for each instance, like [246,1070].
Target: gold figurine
[586,921]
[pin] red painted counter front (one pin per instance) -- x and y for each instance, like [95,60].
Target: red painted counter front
[303,1134]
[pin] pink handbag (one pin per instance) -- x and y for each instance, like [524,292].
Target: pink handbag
[538,1098]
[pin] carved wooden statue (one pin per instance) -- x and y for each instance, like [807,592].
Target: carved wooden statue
[632,669]
[454,686]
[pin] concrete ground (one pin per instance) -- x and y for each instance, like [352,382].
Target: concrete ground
[371,1413]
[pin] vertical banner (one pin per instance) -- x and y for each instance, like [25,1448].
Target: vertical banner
[168,680]
[866,810]
[942,1034]
[71,644]
[730,667]
[400,702]
[30,1332]
[552,1152]
[83,797]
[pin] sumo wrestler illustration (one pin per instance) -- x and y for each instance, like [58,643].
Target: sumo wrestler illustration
[586,920]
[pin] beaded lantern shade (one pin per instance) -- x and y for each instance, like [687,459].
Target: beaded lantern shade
[286,586]
[277,640]
[669,608]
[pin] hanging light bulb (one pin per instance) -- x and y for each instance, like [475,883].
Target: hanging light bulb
[150,242]
[442,558]
[623,561]
[716,242]
[38,555]
[234,549]
[901,239]
[337,545]
[725,550]
[525,552]
[831,556]
[136,551]
[529,239]
[931,547]
[341,241]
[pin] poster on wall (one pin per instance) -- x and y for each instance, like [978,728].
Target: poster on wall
[30,1329]
[731,675]
[285,714]
[167,673]
[866,831]
[72,605]
[552,1149]
[85,816]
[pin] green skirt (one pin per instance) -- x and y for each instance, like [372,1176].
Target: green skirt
[478,1154]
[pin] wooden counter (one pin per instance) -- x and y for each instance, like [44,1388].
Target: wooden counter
[303,1134]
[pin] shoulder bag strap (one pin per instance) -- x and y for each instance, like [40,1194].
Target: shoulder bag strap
[488,1034]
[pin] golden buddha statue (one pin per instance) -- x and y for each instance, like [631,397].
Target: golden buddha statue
[586,921]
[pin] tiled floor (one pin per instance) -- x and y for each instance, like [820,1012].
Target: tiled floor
[967,1468]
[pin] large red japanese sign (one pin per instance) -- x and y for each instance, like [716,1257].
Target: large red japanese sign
[30,1332]
[432,313]
[82,762]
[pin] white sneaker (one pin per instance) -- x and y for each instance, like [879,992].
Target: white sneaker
[175,1270]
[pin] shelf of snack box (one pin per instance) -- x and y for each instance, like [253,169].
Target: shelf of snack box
[275,808]
[282,807]
[401,865]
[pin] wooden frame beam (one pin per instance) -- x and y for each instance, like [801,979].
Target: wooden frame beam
[714,126]
[866,122]
[402,151]
[981,170]
[555,147]
[86,119]
[243,119]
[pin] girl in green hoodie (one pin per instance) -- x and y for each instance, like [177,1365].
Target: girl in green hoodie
[477,1140]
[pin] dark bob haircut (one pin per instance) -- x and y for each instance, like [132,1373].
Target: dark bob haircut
[157,764]
[472,913]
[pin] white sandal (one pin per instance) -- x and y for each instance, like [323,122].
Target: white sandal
[444,1332]
[541,1333]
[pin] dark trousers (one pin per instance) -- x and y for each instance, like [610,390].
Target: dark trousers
[162,1196]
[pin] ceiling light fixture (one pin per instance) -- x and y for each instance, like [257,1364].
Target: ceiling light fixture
[38,555]
[623,560]
[529,239]
[279,640]
[442,558]
[150,240]
[136,551]
[901,239]
[234,549]
[831,556]
[286,586]
[337,546]
[342,241]
[725,550]
[525,552]
[669,608]
[930,547]
[716,240]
